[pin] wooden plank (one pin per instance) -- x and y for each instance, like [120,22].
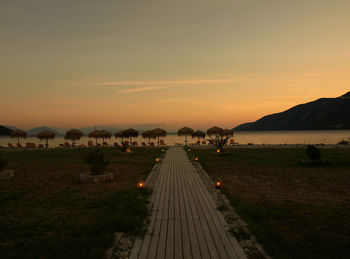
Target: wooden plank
[197,226]
[231,244]
[161,249]
[153,245]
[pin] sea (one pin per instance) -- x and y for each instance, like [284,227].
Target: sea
[241,137]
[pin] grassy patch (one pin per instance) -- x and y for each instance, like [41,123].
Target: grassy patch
[295,211]
[47,213]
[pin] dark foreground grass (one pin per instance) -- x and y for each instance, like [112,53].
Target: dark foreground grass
[47,213]
[295,211]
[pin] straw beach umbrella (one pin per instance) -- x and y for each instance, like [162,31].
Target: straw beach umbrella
[215,131]
[158,133]
[131,133]
[18,134]
[185,131]
[148,134]
[105,134]
[198,134]
[46,134]
[228,132]
[96,134]
[120,134]
[73,135]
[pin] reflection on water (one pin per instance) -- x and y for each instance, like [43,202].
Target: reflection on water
[261,137]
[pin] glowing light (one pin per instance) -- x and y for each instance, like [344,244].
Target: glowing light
[196,159]
[163,150]
[128,150]
[218,151]
[157,159]
[141,184]
[189,150]
[218,184]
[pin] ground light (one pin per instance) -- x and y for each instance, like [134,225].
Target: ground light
[218,184]
[196,158]
[141,185]
[218,151]
[128,150]
[189,150]
[163,150]
[157,159]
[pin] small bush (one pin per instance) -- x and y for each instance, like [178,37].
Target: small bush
[313,152]
[97,162]
[125,147]
[343,142]
[3,163]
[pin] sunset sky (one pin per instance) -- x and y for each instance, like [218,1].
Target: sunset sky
[196,63]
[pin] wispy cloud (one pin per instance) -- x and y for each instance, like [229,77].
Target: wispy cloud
[167,82]
[141,89]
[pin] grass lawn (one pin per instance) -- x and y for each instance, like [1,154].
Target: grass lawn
[47,213]
[295,211]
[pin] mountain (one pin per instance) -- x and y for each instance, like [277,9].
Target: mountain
[322,114]
[4,130]
[35,131]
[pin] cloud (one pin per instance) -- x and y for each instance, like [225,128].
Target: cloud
[142,89]
[169,82]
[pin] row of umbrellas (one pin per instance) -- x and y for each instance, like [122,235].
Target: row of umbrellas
[75,134]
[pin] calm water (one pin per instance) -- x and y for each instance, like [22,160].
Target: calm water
[262,137]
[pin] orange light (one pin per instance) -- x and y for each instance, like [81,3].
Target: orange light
[218,184]
[196,159]
[157,159]
[163,150]
[141,184]
[189,150]
[218,151]
[128,150]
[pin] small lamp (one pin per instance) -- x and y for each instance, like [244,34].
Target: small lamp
[218,184]
[189,150]
[196,158]
[141,185]
[128,150]
[218,150]
[157,159]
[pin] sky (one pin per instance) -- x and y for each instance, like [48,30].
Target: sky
[195,63]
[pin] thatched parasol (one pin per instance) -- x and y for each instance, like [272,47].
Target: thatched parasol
[96,134]
[18,134]
[185,131]
[46,134]
[148,134]
[73,135]
[105,134]
[215,131]
[158,133]
[198,134]
[130,133]
[120,134]
[228,132]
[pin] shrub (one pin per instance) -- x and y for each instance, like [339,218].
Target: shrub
[3,163]
[313,152]
[343,142]
[125,147]
[97,162]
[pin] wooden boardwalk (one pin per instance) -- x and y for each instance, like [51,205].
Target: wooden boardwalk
[184,221]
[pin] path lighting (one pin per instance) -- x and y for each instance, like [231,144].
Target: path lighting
[141,185]
[218,184]
[218,151]
[157,159]
[163,150]
[189,150]
[128,150]
[196,158]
